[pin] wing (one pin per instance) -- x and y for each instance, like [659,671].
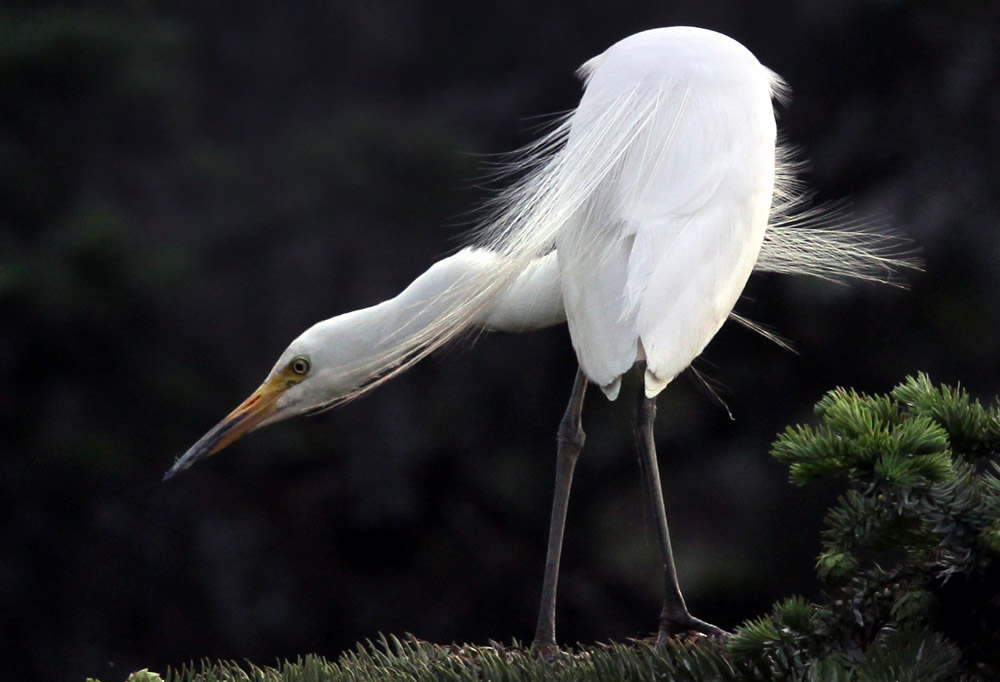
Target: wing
[652,263]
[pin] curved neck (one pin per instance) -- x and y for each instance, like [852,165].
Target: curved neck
[351,340]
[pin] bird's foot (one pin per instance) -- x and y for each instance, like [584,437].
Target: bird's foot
[546,650]
[686,625]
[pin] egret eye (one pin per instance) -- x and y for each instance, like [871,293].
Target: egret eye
[300,365]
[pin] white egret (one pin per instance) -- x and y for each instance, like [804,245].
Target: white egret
[637,220]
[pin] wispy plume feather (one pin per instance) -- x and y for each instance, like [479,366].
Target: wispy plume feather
[555,180]
[825,241]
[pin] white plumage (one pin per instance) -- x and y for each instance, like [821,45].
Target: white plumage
[637,220]
[654,259]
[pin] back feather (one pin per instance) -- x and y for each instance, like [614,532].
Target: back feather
[556,175]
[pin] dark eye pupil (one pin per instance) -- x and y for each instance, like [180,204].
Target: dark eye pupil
[300,366]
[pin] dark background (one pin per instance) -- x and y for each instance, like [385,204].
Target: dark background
[185,186]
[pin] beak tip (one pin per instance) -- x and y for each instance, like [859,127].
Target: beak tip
[179,466]
[248,416]
[196,453]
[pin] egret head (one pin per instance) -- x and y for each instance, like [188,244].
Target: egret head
[302,380]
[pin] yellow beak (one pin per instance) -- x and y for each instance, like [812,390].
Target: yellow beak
[240,421]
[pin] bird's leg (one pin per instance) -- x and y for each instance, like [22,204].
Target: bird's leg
[675,617]
[570,442]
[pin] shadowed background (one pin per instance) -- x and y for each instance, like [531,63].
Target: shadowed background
[186,186]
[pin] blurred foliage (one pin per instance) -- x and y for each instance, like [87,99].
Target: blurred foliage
[186,186]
